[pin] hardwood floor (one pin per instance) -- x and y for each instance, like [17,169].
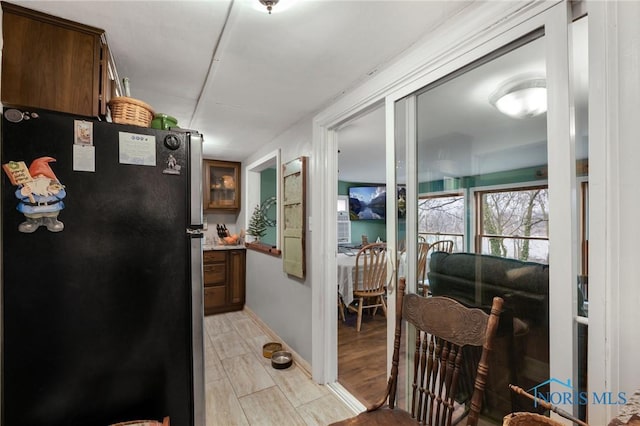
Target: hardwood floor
[362,357]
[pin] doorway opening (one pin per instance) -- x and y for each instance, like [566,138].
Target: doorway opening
[362,354]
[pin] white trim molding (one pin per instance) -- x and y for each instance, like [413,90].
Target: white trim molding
[472,32]
[614,229]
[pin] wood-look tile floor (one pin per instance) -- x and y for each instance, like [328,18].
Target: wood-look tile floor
[242,388]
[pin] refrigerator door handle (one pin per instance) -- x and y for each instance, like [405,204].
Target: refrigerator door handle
[195,233]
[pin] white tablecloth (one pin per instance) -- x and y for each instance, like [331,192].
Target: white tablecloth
[346,265]
[402,264]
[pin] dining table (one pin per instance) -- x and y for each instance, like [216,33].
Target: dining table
[346,262]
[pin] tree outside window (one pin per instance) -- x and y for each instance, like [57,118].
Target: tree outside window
[442,218]
[514,223]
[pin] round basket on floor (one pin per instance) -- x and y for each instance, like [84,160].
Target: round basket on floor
[142,423]
[126,110]
[528,419]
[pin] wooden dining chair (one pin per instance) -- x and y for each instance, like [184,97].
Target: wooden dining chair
[442,245]
[424,250]
[444,330]
[369,280]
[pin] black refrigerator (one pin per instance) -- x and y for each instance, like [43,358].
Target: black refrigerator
[102,312]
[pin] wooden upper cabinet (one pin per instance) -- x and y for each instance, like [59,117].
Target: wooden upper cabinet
[221,185]
[52,63]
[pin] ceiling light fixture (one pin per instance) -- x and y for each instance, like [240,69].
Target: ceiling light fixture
[524,99]
[269,4]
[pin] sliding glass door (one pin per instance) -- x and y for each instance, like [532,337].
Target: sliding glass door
[492,166]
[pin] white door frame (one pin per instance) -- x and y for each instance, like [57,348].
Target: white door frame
[457,47]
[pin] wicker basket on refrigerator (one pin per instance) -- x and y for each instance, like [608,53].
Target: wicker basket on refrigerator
[125,110]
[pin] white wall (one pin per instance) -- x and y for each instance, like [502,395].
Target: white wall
[629,204]
[614,152]
[618,296]
[280,301]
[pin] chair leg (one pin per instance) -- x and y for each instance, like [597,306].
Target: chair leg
[359,320]
[384,306]
[341,308]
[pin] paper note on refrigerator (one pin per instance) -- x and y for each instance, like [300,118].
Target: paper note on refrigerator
[137,149]
[84,158]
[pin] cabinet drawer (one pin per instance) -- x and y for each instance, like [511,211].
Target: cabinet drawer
[215,273]
[214,256]
[214,297]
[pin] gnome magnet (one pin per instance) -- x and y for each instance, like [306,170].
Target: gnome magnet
[40,194]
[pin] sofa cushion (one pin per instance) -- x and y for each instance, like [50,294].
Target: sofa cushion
[475,279]
[505,272]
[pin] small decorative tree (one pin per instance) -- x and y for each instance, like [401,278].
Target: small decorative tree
[257,227]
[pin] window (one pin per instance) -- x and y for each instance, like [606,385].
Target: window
[513,223]
[262,189]
[441,217]
[344,222]
[343,203]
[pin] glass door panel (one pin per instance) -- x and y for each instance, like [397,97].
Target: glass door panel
[580,86]
[402,110]
[482,183]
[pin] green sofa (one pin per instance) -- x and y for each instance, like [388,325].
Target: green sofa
[521,353]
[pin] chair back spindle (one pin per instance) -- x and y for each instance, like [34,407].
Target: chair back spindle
[369,280]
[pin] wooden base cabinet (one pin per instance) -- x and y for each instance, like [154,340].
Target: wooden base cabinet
[224,280]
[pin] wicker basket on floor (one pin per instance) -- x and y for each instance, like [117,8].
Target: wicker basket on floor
[126,110]
[528,419]
[164,422]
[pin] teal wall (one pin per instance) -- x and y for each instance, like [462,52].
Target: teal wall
[267,190]
[527,174]
[377,228]
[371,228]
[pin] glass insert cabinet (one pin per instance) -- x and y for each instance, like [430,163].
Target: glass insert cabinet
[221,185]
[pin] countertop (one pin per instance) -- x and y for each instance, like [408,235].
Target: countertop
[207,247]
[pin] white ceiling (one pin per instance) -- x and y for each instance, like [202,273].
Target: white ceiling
[241,76]
[459,132]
